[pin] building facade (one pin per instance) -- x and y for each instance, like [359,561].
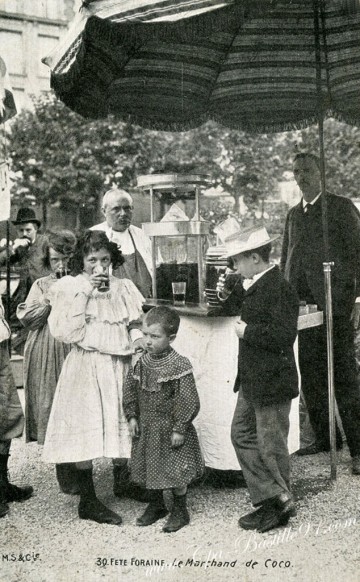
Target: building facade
[29,30]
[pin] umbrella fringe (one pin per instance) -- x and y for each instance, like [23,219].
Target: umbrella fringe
[268,127]
[60,86]
[345,118]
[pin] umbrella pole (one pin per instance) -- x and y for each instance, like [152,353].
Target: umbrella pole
[327,264]
[8,294]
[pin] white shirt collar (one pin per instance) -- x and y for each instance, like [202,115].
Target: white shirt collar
[312,201]
[122,239]
[247,283]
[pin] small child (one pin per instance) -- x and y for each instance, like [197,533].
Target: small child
[266,381]
[160,402]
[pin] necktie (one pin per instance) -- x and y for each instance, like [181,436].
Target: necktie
[307,208]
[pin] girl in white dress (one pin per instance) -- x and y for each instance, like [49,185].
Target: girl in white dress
[87,419]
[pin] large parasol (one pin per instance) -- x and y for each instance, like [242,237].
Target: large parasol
[251,64]
[256,65]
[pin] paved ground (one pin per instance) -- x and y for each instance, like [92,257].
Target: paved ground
[42,540]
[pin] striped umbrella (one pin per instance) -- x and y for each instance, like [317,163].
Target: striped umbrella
[173,64]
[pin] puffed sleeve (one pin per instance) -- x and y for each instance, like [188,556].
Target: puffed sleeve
[34,312]
[130,397]
[186,403]
[134,301]
[68,298]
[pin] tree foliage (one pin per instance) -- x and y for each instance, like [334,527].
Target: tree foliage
[59,158]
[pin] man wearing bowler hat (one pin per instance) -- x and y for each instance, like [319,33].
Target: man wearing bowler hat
[266,381]
[26,254]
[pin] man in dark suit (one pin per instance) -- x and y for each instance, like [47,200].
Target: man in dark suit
[302,263]
[267,378]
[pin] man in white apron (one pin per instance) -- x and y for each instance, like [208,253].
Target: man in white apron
[117,207]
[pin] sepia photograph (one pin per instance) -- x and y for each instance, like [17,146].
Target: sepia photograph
[179,290]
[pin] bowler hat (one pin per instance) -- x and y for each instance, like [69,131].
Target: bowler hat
[26,215]
[247,240]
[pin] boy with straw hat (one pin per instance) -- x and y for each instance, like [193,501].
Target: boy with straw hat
[266,381]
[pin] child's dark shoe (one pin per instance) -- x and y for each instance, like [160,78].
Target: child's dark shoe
[252,520]
[155,510]
[179,516]
[94,510]
[90,507]
[277,513]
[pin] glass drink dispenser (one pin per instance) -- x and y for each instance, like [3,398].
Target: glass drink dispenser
[179,237]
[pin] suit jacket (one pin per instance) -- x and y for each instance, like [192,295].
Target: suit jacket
[303,251]
[266,367]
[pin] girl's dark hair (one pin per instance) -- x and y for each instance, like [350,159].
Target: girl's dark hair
[263,251]
[95,240]
[167,317]
[62,241]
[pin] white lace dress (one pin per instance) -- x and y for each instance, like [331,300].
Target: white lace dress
[87,419]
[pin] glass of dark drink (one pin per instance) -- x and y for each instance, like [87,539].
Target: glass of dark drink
[105,285]
[61,273]
[179,292]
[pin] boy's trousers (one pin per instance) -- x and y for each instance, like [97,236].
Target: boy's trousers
[259,436]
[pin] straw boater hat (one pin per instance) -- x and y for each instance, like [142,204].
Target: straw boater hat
[247,240]
[25,215]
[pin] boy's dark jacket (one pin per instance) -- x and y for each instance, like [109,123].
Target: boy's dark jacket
[266,366]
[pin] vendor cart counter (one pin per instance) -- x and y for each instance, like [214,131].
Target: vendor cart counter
[211,345]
